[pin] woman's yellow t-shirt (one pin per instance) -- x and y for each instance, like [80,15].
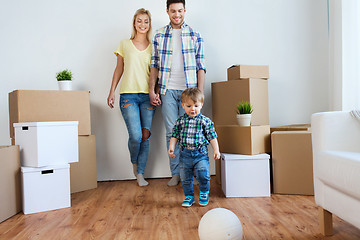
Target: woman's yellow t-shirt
[135,78]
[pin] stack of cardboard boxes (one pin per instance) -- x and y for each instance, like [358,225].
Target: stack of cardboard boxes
[46,106]
[245,83]
[43,106]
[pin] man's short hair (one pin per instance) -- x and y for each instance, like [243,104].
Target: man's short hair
[192,93]
[168,2]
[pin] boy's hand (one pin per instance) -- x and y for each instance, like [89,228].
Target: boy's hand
[216,155]
[171,153]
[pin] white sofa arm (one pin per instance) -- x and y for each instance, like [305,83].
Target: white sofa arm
[335,131]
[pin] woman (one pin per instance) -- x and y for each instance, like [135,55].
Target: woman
[133,67]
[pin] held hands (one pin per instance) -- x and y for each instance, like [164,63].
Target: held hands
[155,99]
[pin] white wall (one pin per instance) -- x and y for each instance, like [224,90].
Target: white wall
[39,38]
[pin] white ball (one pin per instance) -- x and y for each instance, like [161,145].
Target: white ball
[219,224]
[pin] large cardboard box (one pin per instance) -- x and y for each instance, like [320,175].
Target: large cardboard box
[47,143]
[243,140]
[236,72]
[226,95]
[46,188]
[292,162]
[245,175]
[292,127]
[10,187]
[83,174]
[44,106]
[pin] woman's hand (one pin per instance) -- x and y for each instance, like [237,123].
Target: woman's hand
[111,100]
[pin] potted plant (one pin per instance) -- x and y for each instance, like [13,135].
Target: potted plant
[64,79]
[244,110]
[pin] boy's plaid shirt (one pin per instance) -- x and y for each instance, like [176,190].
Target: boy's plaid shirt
[194,132]
[192,49]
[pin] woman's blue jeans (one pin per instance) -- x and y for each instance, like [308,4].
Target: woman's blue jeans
[138,114]
[197,160]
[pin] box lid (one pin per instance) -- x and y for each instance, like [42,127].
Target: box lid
[232,157]
[46,124]
[39,169]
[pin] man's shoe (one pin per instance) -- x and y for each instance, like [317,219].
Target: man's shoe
[189,200]
[204,198]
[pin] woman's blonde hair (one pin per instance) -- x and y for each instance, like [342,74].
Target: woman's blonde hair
[141,11]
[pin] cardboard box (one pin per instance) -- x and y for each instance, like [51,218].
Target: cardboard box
[243,140]
[47,143]
[10,187]
[44,106]
[226,95]
[83,174]
[236,72]
[245,175]
[292,162]
[292,127]
[46,188]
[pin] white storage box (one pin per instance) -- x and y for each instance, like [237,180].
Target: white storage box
[245,175]
[46,188]
[47,143]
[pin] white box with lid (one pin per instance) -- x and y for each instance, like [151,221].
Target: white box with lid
[46,188]
[245,175]
[47,143]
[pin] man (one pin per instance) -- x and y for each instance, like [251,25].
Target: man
[177,63]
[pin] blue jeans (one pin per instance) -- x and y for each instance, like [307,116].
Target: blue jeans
[171,109]
[197,160]
[138,114]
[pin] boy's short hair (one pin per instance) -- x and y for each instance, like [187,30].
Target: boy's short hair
[168,2]
[193,93]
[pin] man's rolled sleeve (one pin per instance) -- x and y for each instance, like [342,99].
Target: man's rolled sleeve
[200,56]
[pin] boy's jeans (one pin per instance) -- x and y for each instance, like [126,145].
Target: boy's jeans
[194,159]
[138,113]
[171,109]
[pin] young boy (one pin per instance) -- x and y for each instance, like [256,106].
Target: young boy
[194,132]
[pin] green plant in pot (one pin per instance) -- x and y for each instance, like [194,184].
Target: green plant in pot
[64,79]
[244,110]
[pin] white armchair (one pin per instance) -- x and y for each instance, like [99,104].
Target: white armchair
[336,164]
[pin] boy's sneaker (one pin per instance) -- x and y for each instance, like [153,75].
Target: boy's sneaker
[189,200]
[204,198]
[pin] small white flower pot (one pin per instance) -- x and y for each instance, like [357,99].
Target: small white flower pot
[65,85]
[243,119]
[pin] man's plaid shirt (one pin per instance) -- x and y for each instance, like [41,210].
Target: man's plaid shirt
[192,49]
[194,132]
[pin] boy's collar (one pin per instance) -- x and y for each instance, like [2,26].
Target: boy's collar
[187,116]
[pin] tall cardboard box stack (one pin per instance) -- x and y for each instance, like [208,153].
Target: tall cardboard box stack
[292,161]
[245,83]
[47,106]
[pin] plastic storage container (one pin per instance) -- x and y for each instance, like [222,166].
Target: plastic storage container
[47,143]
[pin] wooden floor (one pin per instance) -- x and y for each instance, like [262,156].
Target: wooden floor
[122,210]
